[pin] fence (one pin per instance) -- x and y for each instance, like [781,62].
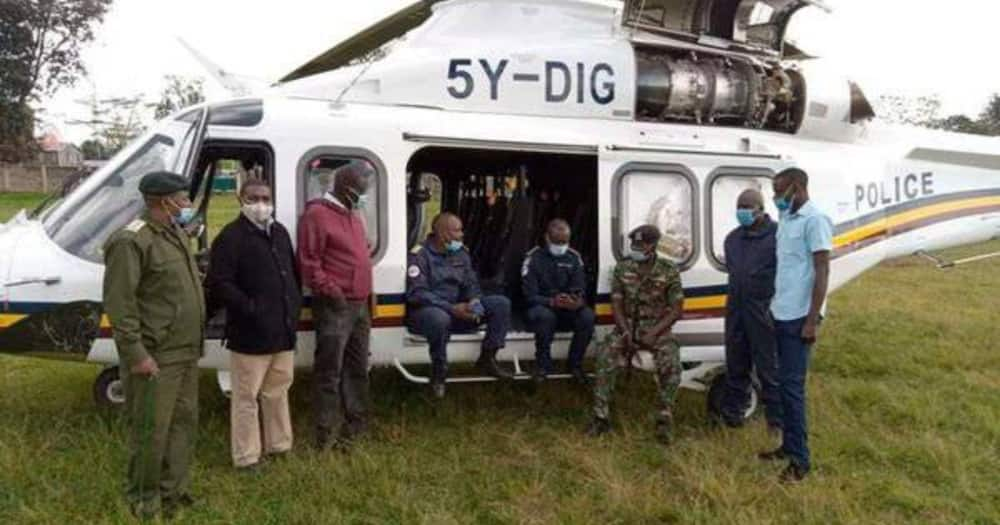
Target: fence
[21,178]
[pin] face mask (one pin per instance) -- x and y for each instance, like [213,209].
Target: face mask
[454,246]
[355,199]
[558,249]
[746,217]
[638,255]
[184,216]
[784,203]
[258,212]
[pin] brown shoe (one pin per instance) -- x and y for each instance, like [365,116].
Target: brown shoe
[793,474]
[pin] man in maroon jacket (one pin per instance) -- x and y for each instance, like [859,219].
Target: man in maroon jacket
[336,265]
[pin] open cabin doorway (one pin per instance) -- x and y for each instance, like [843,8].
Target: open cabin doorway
[505,200]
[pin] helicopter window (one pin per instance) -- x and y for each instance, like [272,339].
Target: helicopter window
[319,171]
[664,196]
[724,187]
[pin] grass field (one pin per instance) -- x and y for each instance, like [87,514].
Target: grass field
[904,406]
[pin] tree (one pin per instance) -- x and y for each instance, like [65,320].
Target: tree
[178,93]
[911,111]
[989,119]
[93,149]
[113,123]
[40,44]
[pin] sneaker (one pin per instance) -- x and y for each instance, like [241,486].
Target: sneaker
[598,427]
[777,454]
[437,390]
[793,474]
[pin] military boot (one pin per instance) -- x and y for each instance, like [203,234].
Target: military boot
[598,427]
[487,363]
[664,430]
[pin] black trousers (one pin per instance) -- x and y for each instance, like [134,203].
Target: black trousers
[340,368]
[751,345]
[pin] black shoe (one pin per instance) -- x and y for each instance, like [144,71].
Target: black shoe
[487,363]
[732,422]
[793,474]
[437,389]
[252,469]
[777,454]
[579,376]
[598,427]
[539,375]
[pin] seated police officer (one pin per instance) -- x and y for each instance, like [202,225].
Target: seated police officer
[443,296]
[553,282]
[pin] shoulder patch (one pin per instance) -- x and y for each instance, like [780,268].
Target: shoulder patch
[525,266]
[413,271]
[136,225]
[416,249]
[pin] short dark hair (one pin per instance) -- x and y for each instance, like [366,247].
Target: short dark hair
[796,175]
[253,183]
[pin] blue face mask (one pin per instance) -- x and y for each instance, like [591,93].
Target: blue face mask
[558,250]
[784,203]
[184,216]
[454,246]
[746,217]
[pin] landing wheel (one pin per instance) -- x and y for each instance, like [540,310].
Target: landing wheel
[108,390]
[717,391]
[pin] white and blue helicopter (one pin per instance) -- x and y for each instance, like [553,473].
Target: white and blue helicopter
[617,112]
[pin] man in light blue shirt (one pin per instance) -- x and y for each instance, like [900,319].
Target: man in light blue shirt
[804,243]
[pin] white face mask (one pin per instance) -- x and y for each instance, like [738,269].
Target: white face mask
[258,212]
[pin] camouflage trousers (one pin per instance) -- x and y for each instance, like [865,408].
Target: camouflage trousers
[611,360]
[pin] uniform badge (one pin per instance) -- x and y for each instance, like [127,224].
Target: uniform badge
[413,271]
[524,267]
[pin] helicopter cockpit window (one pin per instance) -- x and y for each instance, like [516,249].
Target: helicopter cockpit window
[318,179]
[664,198]
[83,228]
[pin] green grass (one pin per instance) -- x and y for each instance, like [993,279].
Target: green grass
[11,203]
[904,407]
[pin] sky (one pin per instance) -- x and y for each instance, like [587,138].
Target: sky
[908,47]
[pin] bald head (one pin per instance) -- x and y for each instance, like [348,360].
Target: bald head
[558,231]
[751,200]
[350,183]
[447,227]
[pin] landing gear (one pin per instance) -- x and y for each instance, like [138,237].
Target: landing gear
[108,391]
[717,391]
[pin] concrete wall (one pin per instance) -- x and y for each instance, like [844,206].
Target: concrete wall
[19,178]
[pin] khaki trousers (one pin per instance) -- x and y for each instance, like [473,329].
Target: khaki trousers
[267,377]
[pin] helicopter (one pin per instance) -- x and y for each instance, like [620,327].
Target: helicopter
[610,114]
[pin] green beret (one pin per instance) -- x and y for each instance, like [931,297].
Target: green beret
[160,183]
[646,233]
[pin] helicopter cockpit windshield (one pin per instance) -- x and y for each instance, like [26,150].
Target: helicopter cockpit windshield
[111,199]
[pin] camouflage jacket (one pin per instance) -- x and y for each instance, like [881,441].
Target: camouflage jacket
[648,296]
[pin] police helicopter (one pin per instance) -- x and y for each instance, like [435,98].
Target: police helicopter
[607,113]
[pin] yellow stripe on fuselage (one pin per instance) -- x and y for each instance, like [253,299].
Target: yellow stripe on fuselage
[8,320]
[916,214]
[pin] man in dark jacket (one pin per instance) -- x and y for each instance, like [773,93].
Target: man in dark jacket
[443,296]
[336,265]
[553,282]
[750,341]
[253,275]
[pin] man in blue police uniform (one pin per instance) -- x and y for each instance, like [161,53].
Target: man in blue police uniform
[751,262]
[443,296]
[804,243]
[553,282]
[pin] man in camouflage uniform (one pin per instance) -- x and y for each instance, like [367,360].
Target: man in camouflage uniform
[153,298]
[647,299]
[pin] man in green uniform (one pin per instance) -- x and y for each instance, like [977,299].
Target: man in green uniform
[646,299]
[153,298]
